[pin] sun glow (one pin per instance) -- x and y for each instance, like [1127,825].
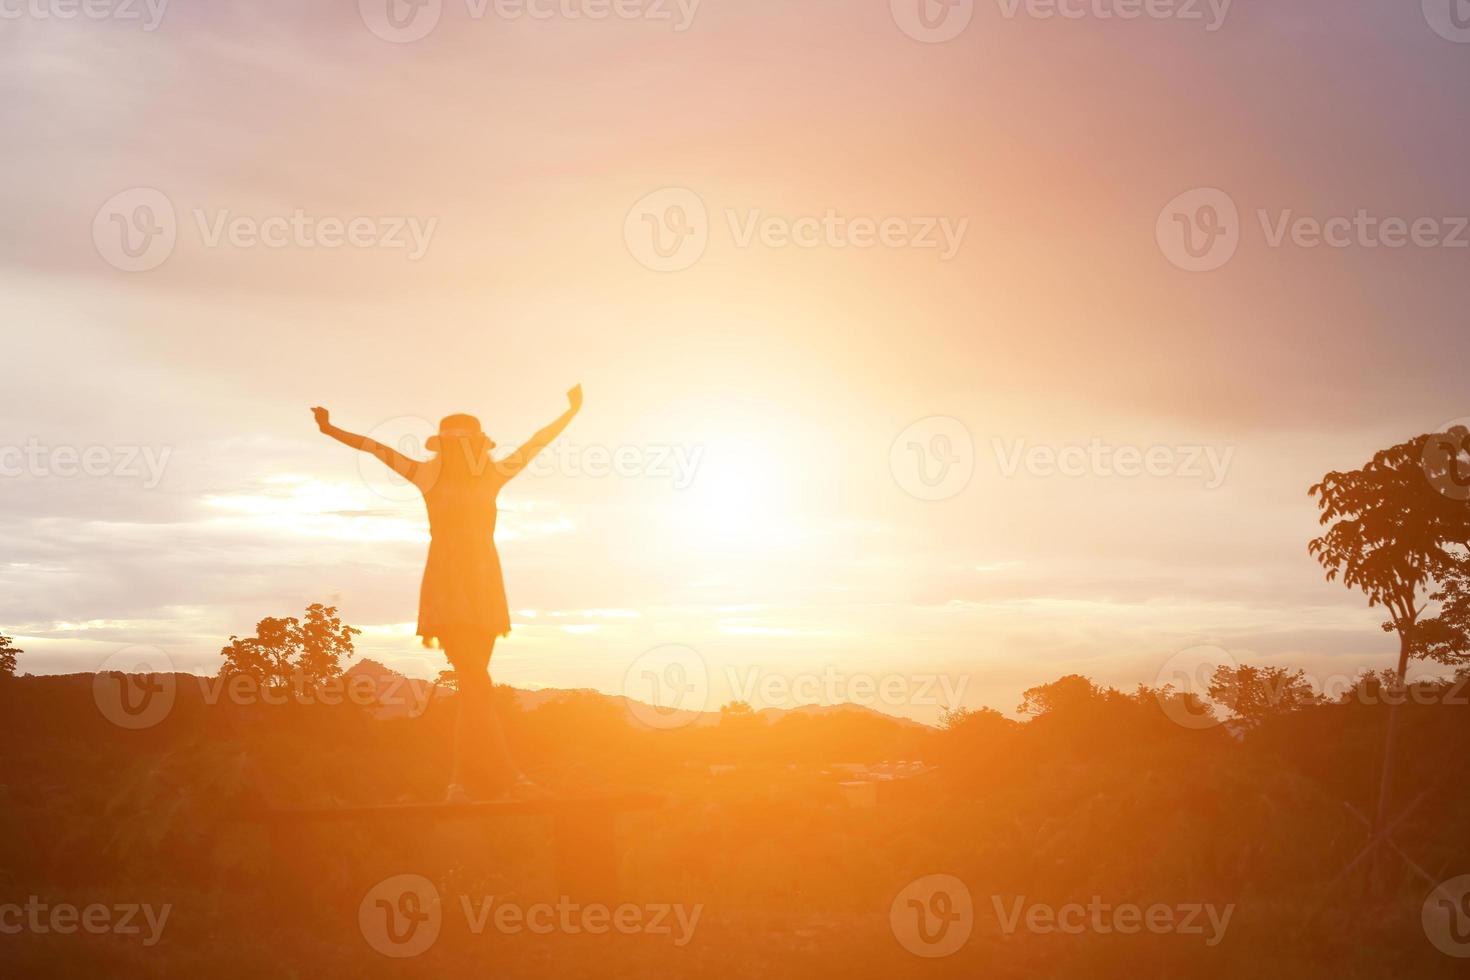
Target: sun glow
[739,497]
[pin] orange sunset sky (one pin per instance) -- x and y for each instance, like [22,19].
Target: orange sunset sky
[780,375]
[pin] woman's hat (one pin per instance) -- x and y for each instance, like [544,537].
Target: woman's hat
[461,427]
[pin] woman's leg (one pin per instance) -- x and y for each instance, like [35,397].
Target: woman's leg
[494,730]
[470,665]
[478,721]
[464,713]
[456,769]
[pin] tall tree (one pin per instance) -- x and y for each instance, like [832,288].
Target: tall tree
[8,655]
[1399,526]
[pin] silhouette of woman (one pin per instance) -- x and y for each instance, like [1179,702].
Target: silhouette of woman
[462,605]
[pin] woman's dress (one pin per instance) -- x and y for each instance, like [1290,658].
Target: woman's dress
[462,600]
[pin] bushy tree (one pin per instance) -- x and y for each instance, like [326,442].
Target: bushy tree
[8,655]
[963,720]
[291,651]
[1445,638]
[1259,693]
[736,712]
[1065,696]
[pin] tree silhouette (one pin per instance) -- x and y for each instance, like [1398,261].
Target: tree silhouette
[1399,525]
[1395,527]
[287,651]
[1446,637]
[8,654]
[736,711]
[1259,693]
[1065,695]
[966,719]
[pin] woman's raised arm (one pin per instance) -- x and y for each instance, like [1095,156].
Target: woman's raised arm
[399,463]
[518,460]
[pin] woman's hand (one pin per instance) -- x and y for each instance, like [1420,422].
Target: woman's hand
[574,398]
[323,419]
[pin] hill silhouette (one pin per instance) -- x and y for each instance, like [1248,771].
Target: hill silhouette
[1099,795]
